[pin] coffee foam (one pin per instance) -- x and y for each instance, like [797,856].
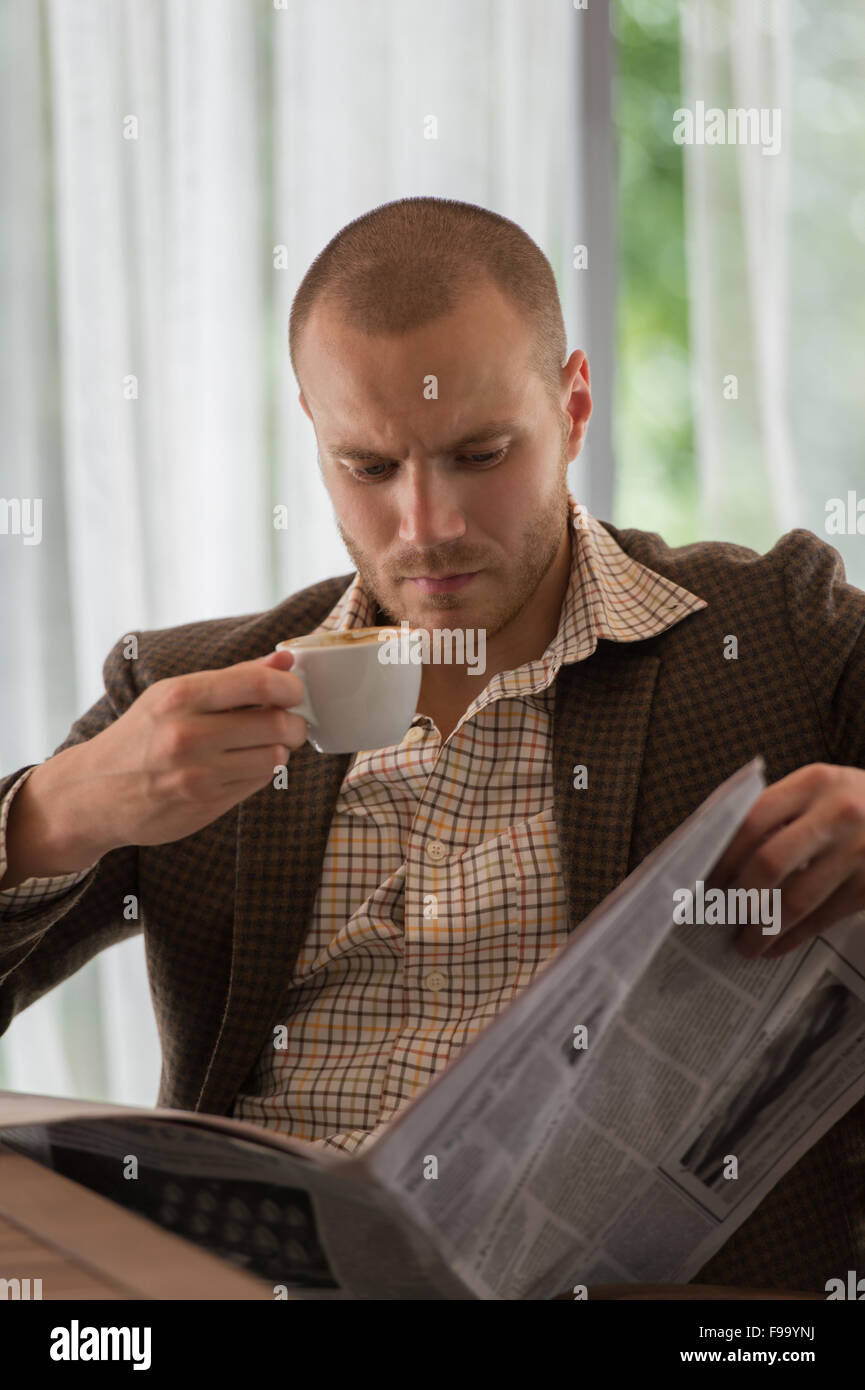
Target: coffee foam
[350,637]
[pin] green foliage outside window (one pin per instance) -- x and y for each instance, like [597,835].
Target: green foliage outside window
[656,487]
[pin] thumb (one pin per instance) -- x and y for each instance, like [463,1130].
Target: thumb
[281,661]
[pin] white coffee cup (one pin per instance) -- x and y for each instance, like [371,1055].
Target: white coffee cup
[352,700]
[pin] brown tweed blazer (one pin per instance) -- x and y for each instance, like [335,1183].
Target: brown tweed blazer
[659,723]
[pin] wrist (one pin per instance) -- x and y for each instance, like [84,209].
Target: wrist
[52,827]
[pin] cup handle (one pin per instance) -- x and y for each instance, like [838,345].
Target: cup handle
[304,708]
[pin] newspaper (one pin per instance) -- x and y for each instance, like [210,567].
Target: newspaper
[560,1167]
[583,1138]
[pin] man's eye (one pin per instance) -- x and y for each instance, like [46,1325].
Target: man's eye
[485,458]
[370,476]
[362,473]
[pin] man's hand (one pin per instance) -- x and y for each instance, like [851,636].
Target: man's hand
[806,836]
[186,751]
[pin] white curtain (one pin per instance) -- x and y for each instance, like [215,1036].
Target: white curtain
[171,167]
[776,291]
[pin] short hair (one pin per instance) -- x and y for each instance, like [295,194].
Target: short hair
[405,263]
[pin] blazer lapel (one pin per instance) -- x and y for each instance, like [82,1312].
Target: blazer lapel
[281,842]
[601,721]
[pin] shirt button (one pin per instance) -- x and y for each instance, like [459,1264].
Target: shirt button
[414,733]
[435,980]
[435,849]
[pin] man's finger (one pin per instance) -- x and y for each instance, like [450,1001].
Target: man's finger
[779,854]
[775,807]
[801,895]
[266,680]
[844,902]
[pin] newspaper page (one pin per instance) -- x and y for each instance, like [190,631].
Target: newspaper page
[559,1165]
[307,1220]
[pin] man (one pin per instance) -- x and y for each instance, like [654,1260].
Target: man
[429,346]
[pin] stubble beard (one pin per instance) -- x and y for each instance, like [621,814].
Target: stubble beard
[538,549]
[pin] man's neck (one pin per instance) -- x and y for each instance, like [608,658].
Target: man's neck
[450,690]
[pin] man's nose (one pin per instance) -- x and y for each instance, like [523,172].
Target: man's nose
[429,510]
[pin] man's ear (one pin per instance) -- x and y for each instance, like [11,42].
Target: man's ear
[303,405]
[579,405]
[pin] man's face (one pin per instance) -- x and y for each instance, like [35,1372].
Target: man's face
[464,474]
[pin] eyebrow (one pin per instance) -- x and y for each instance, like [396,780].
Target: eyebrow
[488,431]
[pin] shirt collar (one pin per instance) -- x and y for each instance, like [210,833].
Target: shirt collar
[610,596]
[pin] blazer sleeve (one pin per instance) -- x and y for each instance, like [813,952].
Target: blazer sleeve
[44,943]
[26,895]
[826,615]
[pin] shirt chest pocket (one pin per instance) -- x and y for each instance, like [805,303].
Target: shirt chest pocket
[504,905]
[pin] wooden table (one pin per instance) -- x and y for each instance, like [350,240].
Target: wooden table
[84,1247]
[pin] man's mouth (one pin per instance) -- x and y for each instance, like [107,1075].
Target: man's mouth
[430,583]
